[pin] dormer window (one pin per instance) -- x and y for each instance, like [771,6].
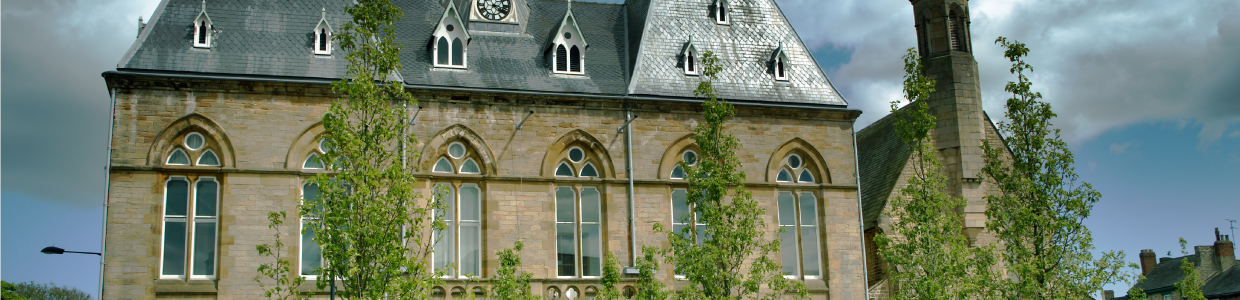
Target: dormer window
[722,10]
[323,36]
[779,64]
[567,55]
[688,59]
[449,49]
[202,28]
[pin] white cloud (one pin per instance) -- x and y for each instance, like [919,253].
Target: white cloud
[1234,134]
[1102,64]
[1210,132]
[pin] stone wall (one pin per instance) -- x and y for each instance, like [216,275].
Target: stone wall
[264,131]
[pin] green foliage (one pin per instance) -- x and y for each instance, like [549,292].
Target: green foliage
[508,283]
[1136,293]
[611,276]
[370,220]
[715,264]
[648,286]
[1039,213]
[1190,287]
[927,244]
[41,291]
[279,272]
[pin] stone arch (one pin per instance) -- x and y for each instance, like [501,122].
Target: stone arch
[167,140]
[457,132]
[587,142]
[811,155]
[671,156]
[303,145]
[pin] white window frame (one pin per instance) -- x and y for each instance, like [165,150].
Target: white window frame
[198,31]
[797,198]
[568,35]
[198,162]
[578,238]
[723,12]
[454,241]
[451,19]
[190,219]
[301,226]
[781,68]
[323,28]
[188,161]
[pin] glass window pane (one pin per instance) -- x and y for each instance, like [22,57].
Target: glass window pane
[208,159]
[787,209]
[591,250]
[177,197]
[193,141]
[806,177]
[442,48]
[563,170]
[566,249]
[565,205]
[783,175]
[178,157]
[788,249]
[576,154]
[174,247]
[470,167]
[690,157]
[443,249]
[794,160]
[458,52]
[310,192]
[680,231]
[442,166]
[809,244]
[680,206]
[678,173]
[204,249]
[456,150]
[809,210]
[470,249]
[313,162]
[589,171]
[470,196]
[701,233]
[205,198]
[589,205]
[311,255]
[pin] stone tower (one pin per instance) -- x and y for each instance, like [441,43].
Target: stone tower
[947,58]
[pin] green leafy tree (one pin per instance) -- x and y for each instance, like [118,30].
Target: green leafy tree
[927,245]
[1190,287]
[715,264]
[41,291]
[508,282]
[649,287]
[277,278]
[1039,213]
[611,276]
[370,220]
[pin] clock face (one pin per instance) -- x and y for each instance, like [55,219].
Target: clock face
[494,9]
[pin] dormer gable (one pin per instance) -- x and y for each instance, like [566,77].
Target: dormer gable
[323,35]
[203,30]
[450,44]
[567,48]
[779,63]
[689,58]
[721,11]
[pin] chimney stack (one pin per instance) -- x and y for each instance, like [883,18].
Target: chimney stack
[1225,250]
[1148,261]
[1108,295]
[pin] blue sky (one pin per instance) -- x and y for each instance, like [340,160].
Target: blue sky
[1146,93]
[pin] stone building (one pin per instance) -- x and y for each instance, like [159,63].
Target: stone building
[1215,265]
[943,42]
[522,111]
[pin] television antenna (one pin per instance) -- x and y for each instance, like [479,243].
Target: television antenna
[1233,227]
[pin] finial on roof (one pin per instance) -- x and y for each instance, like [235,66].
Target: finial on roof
[204,5]
[324,15]
[570,4]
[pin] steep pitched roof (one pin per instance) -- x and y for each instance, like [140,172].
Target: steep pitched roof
[881,157]
[1166,274]
[744,48]
[1225,284]
[507,61]
[255,37]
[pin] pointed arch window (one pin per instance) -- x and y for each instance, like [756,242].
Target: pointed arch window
[780,64]
[450,48]
[689,157]
[203,30]
[688,58]
[208,158]
[178,157]
[314,160]
[458,248]
[189,227]
[956,29]
[193,149]
[722,10]
[323,35]
[798,217]
[567,47]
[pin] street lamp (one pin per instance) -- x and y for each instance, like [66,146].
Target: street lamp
[58,250]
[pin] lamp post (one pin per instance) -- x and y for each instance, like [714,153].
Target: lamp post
[58,250]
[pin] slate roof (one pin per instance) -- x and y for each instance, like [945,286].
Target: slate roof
[254,37]
[881,157]
[1166,274]
[626,55]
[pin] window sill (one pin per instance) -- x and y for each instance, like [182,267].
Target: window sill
[311,286]
[181,286]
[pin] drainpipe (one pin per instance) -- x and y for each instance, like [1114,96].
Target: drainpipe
[865,270]
[107,181]
[628,142]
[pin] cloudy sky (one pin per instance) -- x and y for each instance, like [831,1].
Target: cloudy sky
[1147,92]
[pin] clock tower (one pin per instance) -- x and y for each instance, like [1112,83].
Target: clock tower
[943,41]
